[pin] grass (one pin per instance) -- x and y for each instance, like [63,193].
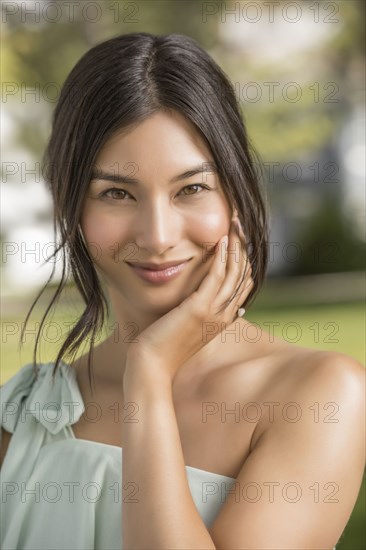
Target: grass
[337,327]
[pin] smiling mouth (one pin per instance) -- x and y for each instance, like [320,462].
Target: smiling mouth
[158,275]
[158,267]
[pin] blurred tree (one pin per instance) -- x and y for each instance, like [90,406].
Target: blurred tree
[38,54]
[328,246]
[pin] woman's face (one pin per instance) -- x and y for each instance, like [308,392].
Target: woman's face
[155,219]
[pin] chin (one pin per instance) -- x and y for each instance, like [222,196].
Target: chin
[155,300]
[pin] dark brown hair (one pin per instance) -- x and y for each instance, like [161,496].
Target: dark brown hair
[118,83]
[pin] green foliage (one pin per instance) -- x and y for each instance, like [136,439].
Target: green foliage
[328,244]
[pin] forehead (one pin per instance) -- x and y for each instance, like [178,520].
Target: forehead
[163,141]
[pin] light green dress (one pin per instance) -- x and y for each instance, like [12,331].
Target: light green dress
[61,492]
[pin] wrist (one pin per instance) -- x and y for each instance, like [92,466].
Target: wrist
[144,375]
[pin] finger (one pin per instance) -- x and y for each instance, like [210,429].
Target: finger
[247,265]
[246,268]
[210,285]
[246,290]
[237,265]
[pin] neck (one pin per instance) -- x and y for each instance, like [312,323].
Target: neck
[129,321]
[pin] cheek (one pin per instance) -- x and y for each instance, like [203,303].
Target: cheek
[210,225]
[102,233]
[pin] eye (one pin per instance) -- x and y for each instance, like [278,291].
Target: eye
[204,187]
[115,193]
[118,194]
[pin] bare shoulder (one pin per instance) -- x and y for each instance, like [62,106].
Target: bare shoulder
[308,373]
[290,369]
[317,386]
[341,363]
[339,379]
[283,379]
[326,373]
[271,365]
[310,435]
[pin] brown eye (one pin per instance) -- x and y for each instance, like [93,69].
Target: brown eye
[115,193]
[194,185]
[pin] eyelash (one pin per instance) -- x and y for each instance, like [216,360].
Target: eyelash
[104,193]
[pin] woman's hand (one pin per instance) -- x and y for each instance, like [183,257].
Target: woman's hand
[171,340]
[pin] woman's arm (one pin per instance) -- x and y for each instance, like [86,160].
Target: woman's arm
[296,490]
[165,515]
[158,511]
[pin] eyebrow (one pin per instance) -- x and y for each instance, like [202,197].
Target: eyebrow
[207,166]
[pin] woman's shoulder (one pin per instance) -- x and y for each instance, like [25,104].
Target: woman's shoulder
[278,359]
[276,371]
[309,371]
[286,386]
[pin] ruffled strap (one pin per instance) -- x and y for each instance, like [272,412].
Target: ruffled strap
[12,394]
[55,404]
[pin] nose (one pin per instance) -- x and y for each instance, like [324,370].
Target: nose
[158,227]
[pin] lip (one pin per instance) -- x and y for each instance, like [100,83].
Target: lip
[166,271]
[157,267]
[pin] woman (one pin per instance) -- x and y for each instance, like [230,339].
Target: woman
[231,438]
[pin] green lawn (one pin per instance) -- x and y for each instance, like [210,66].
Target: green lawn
[338,327]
